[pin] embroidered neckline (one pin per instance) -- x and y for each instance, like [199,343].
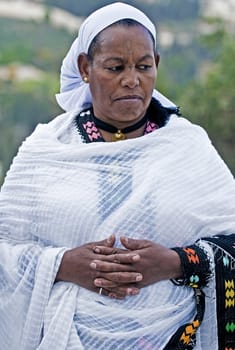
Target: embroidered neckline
[119,134]
[88,129]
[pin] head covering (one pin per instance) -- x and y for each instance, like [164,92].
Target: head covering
[75,94]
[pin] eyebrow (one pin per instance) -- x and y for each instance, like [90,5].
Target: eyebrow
[120,59]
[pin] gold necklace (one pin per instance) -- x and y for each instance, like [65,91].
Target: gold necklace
[119,134]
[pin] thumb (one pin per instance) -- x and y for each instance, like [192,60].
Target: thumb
[108,242]
[131,244]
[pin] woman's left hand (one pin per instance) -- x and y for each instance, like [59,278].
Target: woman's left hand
[153,261]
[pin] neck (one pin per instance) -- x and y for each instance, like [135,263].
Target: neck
[109,137]
[117,134]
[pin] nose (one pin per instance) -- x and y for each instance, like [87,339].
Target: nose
[130,78]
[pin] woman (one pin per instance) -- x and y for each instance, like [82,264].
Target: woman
[162,186]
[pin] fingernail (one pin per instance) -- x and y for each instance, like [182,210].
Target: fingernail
[93,265]
[97,283]
[132,291]
[110,239]
[139,278]
[112,295]
[97,250]
[136,258]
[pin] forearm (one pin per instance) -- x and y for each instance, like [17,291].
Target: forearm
[27,276]
[20,263]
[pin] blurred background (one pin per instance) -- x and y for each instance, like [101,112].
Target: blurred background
[197,69]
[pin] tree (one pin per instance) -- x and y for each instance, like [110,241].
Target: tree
[211,101]
[22,106]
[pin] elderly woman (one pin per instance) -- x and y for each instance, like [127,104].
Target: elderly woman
[103,243]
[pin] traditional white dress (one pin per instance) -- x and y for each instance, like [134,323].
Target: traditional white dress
[169,186]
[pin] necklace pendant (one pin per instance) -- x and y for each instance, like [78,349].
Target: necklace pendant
[118,136]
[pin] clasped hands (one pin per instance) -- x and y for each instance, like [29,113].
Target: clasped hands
[119,271]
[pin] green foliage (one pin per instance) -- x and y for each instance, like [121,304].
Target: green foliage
[33,43]
[211,102]
[23,106]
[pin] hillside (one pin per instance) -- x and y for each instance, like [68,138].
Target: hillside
[33,43]
[178,32]
[158,10]
[32,49]
[30,60]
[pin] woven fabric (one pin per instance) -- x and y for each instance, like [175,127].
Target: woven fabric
[169,186]
[223,247]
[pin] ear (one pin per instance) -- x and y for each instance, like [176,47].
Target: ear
[83,65]
[157,59]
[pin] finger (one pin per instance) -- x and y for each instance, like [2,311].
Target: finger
[108,250]
[104,266]
[106,284]
[120,293]
[113,287]
[110,266]
[133,244]
[111,294]
[122,258]
[128,290]
[121,277]
[114,295]
[108,242]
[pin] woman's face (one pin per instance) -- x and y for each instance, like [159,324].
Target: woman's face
[122,74]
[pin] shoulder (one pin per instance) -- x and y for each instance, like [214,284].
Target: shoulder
[60,130]
[62,127]
[194,141]
[61,121]
[181,126]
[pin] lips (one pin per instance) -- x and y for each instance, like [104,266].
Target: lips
[128,97]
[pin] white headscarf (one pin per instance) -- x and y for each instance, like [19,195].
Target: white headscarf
[74,93]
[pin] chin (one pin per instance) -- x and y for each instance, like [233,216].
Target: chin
[129,115]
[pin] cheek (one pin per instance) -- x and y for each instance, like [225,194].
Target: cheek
[154,81]
[100,95]
[102,88]
[150,84]
[155,78]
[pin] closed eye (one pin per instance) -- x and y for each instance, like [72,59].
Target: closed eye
[144,67]
[115,68]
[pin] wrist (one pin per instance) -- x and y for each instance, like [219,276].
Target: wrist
[62,273]
[176,270]
[195,265]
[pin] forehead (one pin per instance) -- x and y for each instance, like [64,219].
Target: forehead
[121,37]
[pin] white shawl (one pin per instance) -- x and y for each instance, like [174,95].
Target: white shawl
[169,186]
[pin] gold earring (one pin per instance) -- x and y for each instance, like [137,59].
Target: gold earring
[85,79]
